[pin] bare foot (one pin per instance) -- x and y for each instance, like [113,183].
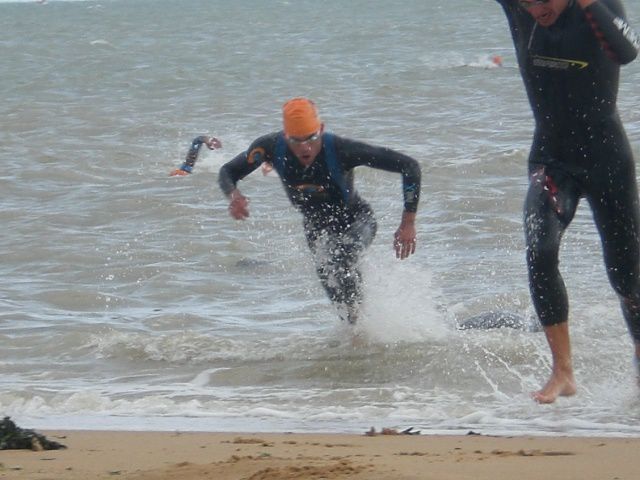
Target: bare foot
[559,385]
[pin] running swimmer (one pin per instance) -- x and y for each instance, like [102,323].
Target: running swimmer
[317,171]
[569,53]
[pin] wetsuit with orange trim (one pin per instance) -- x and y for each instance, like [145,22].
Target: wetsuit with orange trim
[338,224]
[580,150]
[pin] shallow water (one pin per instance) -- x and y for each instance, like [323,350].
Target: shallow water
[131,300]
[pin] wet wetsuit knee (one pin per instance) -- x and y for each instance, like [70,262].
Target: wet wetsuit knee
[550,205]
[337,249]
[549,208]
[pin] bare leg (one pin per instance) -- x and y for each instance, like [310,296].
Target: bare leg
[561,382]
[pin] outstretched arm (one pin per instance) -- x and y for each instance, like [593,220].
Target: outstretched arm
[358,153]
[192,155]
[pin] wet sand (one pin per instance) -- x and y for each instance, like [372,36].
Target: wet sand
[277,456]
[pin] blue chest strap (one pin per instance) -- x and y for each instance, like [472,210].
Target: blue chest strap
[330,158]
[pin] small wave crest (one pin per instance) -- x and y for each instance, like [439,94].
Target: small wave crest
[205,348]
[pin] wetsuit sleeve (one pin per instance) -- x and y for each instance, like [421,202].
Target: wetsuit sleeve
[520,22]
[232,171]
[244,163]
[354,154]
[192,154]
[608,20]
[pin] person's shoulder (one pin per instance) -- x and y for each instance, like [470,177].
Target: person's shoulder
[346,142]
[266,142]
[360,152]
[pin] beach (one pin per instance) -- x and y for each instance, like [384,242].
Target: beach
[276,456]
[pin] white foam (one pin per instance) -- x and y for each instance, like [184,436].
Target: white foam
[400,301]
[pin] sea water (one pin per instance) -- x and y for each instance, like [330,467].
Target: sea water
[131,300]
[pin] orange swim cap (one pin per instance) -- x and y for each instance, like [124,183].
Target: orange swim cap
[300,117]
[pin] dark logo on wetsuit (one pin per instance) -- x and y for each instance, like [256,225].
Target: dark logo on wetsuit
[558,63]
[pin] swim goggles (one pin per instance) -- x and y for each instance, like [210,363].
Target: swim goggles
[527,4]
[303,141]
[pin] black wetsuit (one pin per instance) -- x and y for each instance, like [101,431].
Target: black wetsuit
[570,70]
[338,224]
[192,154]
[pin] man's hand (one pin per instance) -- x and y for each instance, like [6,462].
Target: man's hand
[239,205]
[404,241]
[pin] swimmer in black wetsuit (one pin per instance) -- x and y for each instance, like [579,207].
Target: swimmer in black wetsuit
[569,53]
[316,169]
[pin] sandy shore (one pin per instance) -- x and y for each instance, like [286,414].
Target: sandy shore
[242,456]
